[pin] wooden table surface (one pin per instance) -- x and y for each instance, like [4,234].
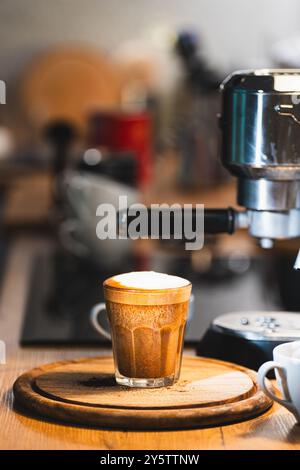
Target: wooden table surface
[274,430]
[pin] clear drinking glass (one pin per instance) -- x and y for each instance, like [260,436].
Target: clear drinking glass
[147,331]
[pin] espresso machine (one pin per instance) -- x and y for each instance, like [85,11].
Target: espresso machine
[260,127]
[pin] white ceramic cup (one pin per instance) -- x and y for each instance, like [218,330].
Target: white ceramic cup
[287,370]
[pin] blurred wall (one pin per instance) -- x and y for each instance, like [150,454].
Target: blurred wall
[236,33]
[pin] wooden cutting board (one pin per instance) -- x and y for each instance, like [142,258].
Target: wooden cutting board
[209,393]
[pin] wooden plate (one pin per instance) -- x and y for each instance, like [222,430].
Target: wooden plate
[209,393]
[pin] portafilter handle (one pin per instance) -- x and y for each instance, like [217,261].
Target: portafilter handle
[215,220]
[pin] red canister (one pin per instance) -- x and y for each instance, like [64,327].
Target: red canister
[129,132]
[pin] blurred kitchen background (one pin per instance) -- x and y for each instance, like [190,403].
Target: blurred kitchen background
[121,97]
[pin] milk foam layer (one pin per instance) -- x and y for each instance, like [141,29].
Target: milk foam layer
[149,280]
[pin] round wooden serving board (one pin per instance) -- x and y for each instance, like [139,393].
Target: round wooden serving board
[209,393]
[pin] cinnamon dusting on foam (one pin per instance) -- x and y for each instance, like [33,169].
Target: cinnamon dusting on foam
[146,280]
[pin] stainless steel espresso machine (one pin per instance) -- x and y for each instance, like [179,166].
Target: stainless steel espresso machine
[260,125]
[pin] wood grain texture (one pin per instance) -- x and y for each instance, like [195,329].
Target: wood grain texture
[275,429]
[84,392]
[90,381]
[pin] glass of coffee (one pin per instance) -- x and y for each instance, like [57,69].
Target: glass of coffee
[147,312]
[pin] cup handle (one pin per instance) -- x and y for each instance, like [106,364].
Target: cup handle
[262,372]
[96,310]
